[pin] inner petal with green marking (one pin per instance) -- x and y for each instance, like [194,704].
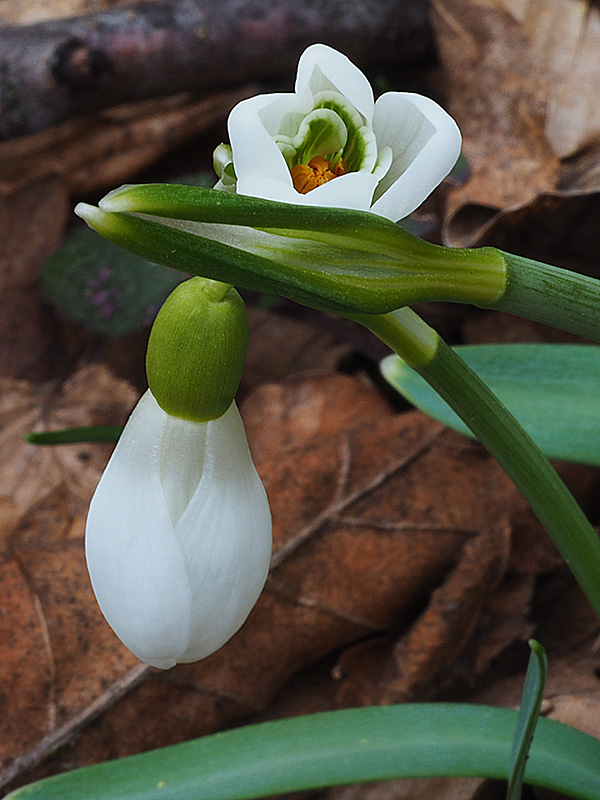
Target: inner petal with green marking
[331,140]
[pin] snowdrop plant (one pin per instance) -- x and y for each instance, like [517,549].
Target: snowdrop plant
[179,533]
[178,536]
[309,189]
[329,144]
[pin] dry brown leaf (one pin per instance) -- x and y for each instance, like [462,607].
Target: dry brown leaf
[58,656]
[288,627]
[418,659]
[523,83]
[497,92]
[371,511]
[565,36]
[483,608]
[55,483]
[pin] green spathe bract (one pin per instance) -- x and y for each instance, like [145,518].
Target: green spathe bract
[197,349]
[329,258]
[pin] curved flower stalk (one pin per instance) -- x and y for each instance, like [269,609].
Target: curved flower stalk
[178,538]
[330,144]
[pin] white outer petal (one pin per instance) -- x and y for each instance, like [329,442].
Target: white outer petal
[425,141]
[255,153]
[225,536]
[177,594]
[320,62]
[259,164]
[135,563]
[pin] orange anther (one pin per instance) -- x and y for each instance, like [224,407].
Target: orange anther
[319,164]
[317,172]
[303,178]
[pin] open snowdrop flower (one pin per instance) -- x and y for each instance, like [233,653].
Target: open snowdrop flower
[330,144]
[178,537]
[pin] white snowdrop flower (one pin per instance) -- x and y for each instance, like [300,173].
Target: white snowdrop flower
[330,144]
[178,537]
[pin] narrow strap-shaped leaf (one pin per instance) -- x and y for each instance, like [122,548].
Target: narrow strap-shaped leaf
[334,748]
[90,433]
[527,719]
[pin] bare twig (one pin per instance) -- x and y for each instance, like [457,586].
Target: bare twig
[27,761]
[54,70]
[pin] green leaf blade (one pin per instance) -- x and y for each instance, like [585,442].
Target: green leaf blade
[551,389]
[83,435]
[527,719]
[336,748]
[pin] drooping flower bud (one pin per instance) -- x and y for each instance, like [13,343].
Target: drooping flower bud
[178,537]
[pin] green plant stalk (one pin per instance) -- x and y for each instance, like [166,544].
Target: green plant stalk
[496,428]
[335,748]
[554,296]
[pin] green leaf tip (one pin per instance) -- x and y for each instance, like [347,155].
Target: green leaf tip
[527,719]
[83,435]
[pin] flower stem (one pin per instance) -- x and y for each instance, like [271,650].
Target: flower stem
[501,434]
[405,332]
[555,296]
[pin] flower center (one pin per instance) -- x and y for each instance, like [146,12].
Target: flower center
[318,171]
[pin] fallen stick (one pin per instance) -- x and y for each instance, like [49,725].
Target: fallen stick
[52,71]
